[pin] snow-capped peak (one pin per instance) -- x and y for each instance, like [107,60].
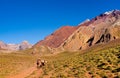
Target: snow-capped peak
[108,12]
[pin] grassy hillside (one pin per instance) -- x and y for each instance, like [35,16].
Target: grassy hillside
[99,64]
[100,61]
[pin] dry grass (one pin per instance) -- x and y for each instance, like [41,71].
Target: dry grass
[99,64]
[12,63]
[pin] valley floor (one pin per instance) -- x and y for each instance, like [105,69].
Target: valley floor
[100,61]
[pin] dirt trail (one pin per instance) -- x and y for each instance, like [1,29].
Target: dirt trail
[25,73]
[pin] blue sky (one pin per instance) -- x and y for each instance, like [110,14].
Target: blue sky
[32,20]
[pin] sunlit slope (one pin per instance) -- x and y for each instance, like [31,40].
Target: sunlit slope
[101,62]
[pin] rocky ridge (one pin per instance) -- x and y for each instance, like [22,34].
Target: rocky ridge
[101,29]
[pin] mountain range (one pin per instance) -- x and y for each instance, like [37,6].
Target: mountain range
[15,47]
[99,30]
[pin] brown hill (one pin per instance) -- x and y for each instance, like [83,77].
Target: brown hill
[101,29]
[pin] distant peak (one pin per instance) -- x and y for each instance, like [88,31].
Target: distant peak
[25,41]
[108,12]
[112,11]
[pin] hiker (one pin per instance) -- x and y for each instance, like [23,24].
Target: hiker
[40,63]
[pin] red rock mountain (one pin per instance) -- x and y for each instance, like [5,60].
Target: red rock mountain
[101,29]
[58,37]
